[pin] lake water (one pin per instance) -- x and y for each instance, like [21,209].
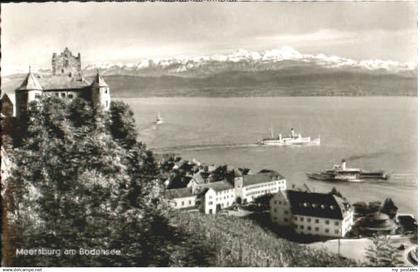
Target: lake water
[374,133]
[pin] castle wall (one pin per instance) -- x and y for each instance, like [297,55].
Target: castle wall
[66,64]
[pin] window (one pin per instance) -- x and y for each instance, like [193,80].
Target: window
[316,229]
[336,223]
[274,218]
[63,95]
[275,202]
[57,94]
[106,90]
[308,220]
[182,203]
[296,218]
[175,203]
[327,230]
[37,96]
[327,222]
[301,219]
[70,95]
[336,231]
[286,220]
[309,228]
[211,203]
[316,220]
[286,212]
[301,227]
[275,210]
[189,202]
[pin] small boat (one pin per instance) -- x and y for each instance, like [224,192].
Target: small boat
[159,119]
[342,173]
[292,139]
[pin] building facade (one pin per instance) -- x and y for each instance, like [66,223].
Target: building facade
[312,213]
[66,64]
[67,83]
[212,197]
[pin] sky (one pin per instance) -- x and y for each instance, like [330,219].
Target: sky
[129,32]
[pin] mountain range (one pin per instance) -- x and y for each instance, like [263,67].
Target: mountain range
[277,72]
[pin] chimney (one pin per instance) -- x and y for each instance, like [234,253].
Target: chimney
[343,165]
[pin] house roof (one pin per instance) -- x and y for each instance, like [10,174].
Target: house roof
[218,185]
[30,83]
[178,193]
[52,83]
[261,178]
[317,204]
[99,81]
[63,82]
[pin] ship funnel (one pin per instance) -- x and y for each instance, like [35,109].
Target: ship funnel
[343,165]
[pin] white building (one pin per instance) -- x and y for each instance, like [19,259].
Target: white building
[312,213]
[181,198]
[211,197]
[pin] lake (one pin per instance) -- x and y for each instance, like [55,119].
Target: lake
[374,133]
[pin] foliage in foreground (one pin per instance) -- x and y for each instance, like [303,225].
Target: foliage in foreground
[82,180]
[233,241]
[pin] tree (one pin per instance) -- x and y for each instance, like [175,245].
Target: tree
[382,254]
[81,181]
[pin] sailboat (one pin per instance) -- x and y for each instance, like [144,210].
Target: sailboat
[159,119]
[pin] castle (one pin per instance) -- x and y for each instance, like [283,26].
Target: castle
[66,82]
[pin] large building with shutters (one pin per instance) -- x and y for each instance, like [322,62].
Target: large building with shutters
[312,213]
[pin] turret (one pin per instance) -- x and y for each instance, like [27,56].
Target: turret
[30,90]
[101,96]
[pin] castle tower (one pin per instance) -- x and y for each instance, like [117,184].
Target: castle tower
[100,93]
[66,64]
[30,90]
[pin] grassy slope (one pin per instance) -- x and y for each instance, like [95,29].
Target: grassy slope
[233,241]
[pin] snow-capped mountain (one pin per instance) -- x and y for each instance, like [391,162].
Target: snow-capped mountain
[244,60]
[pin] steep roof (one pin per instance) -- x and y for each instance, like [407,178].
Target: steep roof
[218,185]
[62,82]
[99,81]
[178,193]
[30,83]
[316,204]
[261,178]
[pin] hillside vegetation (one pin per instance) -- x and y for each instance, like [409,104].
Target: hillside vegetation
[233,241]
